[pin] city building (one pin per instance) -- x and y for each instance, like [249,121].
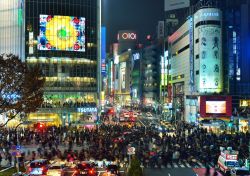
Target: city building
[195,67]
[175,14]
[12,28]
[151,57]
[237,57]
[119,68]
[62,38]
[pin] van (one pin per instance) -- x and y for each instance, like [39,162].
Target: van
[227,161]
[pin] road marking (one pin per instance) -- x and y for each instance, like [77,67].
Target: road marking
[188,165]
[200,164]
[169,166]
[169,174]
[182,165]
[175,165]
[211,164]
[143,125]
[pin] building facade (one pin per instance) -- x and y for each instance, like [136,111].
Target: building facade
[237,57]
[195,66]
[151,74]
[62,37]
[68,63]
[12,26]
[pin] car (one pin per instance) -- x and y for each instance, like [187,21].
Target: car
[135,114]
[86,169]
[139,113]
[38,167]
[113,170]
[119,139]
[126,115]
[153,124]
[121,118]
[70,171]
[149,115]
[55,169]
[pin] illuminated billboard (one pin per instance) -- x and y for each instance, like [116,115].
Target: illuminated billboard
[216,107]
[175,4]
[65,33]
[211,59]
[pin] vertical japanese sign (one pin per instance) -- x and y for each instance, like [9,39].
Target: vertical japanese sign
[103,51]
[210,59]
[191,57]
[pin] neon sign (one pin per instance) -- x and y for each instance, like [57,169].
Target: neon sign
[131,36]
[86,110]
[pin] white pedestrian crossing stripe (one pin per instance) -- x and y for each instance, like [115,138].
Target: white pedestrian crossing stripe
[182,165]
[211,165]
[200,164]
[188,165]
[185,164]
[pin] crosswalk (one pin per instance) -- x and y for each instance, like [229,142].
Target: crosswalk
[184,164]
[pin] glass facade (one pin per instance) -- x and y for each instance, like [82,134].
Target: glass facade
[62,39]
[12,26]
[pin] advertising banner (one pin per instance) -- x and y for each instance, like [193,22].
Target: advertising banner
[210,59]
[160,30]
[65,33]
[176,4]
[123,75]
[103,51]
[216,107]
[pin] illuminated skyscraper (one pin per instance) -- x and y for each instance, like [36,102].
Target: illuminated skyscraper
[63,38]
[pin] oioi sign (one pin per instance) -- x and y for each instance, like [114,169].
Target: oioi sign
[131,36]
[127,35]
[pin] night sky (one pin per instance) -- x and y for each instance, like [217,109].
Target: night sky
[139,15]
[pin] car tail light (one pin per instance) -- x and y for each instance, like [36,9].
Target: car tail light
[30,169]
[91,171]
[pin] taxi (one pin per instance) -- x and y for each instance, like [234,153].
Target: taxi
[55,169]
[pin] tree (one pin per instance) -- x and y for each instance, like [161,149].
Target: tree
[135,168]
[21,87]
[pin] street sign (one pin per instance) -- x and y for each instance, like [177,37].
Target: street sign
[16,150]
[131,150]
[18,147]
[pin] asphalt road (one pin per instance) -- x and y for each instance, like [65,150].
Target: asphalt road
[170,172]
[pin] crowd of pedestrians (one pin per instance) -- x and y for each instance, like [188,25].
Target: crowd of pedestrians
[110,142]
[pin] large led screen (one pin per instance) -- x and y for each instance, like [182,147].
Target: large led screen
[65,33]
[216,107]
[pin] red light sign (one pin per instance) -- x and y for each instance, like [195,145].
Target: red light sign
[129,36]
